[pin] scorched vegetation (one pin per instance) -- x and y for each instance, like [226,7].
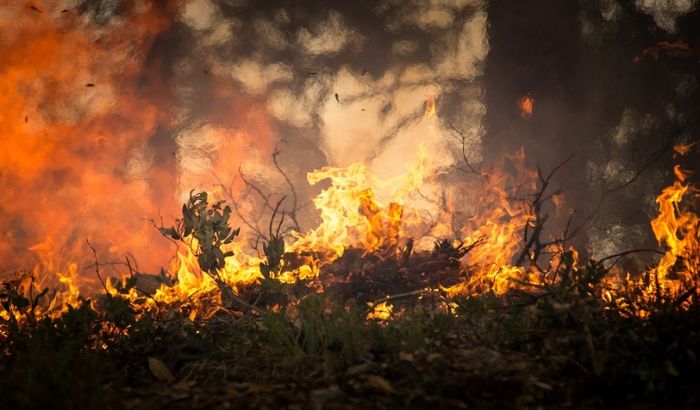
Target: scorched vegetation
[360,313]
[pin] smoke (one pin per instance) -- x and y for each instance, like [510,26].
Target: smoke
[643,110]
[339,85]
[666,12]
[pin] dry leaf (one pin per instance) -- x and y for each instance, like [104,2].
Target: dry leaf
[320,397]
[160,370]
[358,369]
[380,384]
[542,385]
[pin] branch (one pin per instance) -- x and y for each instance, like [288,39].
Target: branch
[534,243]
[400,296]
[292,212]
[463,138]
[621,255]
[97,265]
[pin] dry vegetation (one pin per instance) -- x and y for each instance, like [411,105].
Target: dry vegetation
[386,328]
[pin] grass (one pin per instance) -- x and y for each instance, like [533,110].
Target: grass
[567,349]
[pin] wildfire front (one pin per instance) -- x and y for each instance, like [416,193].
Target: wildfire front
[467,203]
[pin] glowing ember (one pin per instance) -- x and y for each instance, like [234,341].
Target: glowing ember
[381,311]
[526,105]
[683,149]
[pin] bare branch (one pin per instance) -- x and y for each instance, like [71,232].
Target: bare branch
[471,169]
[97,265]
[292,212]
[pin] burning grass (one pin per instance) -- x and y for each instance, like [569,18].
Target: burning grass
[374,306]
[567,349]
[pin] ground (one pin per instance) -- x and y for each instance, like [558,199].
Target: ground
[563,348]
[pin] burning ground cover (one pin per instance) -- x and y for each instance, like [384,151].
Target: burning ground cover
[229,205]
[357,309]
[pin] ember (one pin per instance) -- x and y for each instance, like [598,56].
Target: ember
[526,106]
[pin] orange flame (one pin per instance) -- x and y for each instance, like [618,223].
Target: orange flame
[381,311]
[682,149]
[526,105]
[74,132]
[73,138]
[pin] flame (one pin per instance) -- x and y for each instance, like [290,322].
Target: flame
[381,311]
[191,284]
[681,174]
[683,149]
[82,105]
[353,217]
[351,214]
[497,225]
[526,105]
[677,228]
[75,130]
[359,210]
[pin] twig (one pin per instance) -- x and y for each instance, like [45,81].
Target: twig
[533,245]
[272,218]
[620,255]
[225,288]
[162,225]
[407,252]
[292,212]
[400,296]
[471,170]
[97,265]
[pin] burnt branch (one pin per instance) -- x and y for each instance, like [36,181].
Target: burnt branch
[253,225]
[661,149]
[389,298]
[266,202]
[295,200]
[97,265]
[470,168]
[618,256]
[532,234]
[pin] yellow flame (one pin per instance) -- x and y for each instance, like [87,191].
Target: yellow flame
[381,311]
[677,229]
[351,214]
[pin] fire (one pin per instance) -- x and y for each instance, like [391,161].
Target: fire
[683,149]
[677,228]
[76,149]
[526,105]
[351,214]
[82,105]
[193,285]
[74,132]
[381,311]
[681,174]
